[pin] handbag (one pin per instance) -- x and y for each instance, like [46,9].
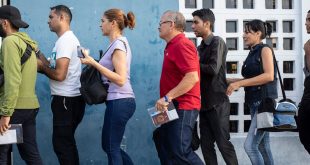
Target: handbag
[92,88]
[275,116]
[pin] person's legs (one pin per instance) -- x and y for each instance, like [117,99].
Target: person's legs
[5,154]
[220,125]
[207,137]
[304,124]
[67,114]
[179,133]
[28,149]
[159,138]
[254,139]
[117,114]
[264,148]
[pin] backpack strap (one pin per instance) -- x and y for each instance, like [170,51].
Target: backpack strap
[26,54]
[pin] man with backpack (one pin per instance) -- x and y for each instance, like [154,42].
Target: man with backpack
[64,72]
[18,101]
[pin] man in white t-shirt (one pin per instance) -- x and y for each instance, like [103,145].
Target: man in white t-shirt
[64,72]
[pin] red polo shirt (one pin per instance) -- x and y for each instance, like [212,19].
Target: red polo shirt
[180,57]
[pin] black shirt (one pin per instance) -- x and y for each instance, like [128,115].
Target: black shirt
[252,67]
[213,85]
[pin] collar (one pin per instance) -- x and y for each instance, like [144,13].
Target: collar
[255,47]
[176,38]
[208,40]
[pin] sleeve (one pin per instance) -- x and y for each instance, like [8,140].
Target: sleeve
[65,48]
[12,76]
[216,59]
[187,58]
[120,45]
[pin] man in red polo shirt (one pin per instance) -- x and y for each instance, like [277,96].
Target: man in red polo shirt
[179,83]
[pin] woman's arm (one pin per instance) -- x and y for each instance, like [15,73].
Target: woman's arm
[265,77]
[232,80]
[119,62]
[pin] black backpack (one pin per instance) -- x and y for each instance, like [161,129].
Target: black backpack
[93,90]
[23,59]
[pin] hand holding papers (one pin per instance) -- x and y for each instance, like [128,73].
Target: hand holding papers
[13,135]
[162,117]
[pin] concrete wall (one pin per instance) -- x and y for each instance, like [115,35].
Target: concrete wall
[147,49]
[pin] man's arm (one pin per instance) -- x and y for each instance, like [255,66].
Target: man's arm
[215,61]
[307,54]
[186,84]
[59,73]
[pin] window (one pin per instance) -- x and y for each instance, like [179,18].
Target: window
[231,26]
[273,42]
[273,25]
[288,66]
[245,22]
[207,4]
[270,4]
[288,84]
[288,43]
[232,43]
[287,4]
[232,67]
[234,108]
[231,4]
[246,109]
[248,4]
[233,124]
[247,124]
[194,40]
[188,26]
[287,26]
[190,4]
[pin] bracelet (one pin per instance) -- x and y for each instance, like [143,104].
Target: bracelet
[166,98]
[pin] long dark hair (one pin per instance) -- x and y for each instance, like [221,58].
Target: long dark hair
[258,25]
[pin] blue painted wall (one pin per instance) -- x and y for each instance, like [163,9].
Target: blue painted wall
[147,50]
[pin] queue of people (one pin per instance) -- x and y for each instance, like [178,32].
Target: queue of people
[193,79]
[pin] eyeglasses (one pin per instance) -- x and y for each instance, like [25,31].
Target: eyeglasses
[160,23]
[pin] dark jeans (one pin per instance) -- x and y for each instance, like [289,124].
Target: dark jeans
[28,150]
[304,116]
[68,112]
[116,116]
[214,127]
[173,140]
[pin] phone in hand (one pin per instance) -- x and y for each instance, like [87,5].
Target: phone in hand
[80,52]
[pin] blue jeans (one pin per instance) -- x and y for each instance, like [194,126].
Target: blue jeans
[28,150]
[257,143]
[116,116]
[173,140]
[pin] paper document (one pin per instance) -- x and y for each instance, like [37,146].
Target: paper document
[13,135]
[162,117]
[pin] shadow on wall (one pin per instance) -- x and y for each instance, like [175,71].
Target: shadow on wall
[147,49]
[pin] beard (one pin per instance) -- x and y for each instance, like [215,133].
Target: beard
[2,33]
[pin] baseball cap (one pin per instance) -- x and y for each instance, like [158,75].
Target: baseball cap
[12,14]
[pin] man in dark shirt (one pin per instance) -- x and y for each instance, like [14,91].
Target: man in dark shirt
[215,106]
[304,109]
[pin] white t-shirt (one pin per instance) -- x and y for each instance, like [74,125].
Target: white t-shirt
[66,47]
